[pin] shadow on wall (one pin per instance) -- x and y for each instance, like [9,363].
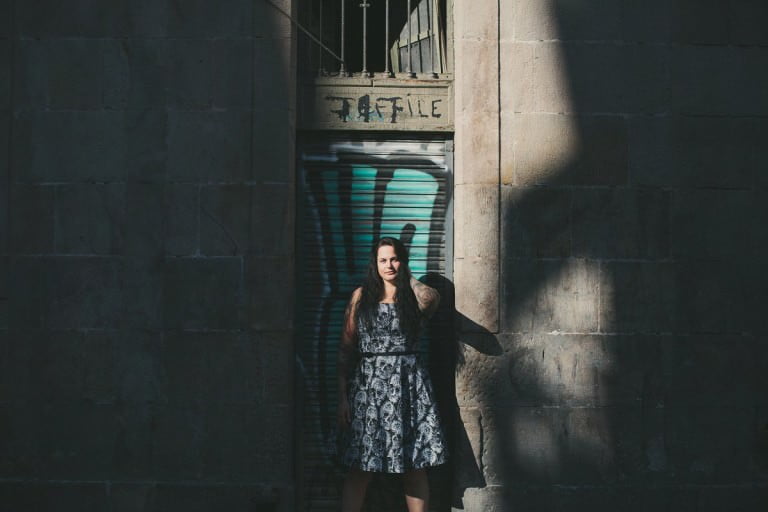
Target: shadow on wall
[632,372]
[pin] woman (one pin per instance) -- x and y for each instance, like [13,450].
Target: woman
[388,406]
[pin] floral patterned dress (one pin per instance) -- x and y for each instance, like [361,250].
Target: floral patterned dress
[395,422]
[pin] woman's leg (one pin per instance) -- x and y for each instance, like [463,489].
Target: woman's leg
[353,492]
[416,486]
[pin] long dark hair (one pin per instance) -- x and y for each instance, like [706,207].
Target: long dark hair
[373,290]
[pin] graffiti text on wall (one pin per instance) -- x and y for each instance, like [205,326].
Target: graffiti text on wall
[384,109]
[346,107]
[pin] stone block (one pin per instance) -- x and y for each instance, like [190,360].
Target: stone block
[482,379]
[272,220]
[273,146]
[5,184]
[203,497]
[579,21]
[718,80]
[621,223]
[637,297]
[86,18]
[5,293]
[177,442]
[476,153]
[43,366]
[142,287]
[211,368]
[147,18]
[98,365]
[477,294]
[68,74]
[182,219]
[736,498]
[58,441]
[34,496]
[138,372]
[208,73]
[712,223]
[528,20]
[635,498]
[31,297]
[274,73]
[706,445]
[645,21]
[747,21]
[694,151]
[475,21]
[224,219]
[201,19]
[278,359]
[761,446]
[131,497]
[225,447]
[475,88]
[713,297]
[32,220]
[90,219]
[5,18]
[87,292]
[270,292]
[708,26]
[756,289]
[142,65]
[232,73]
[276,435]
[536,222]
[550,295]
[581,370]
[5,63]
[143,223]
[270,23]
[516,75]
[714,371]
[574,150]
[469,450]
[485,499]
[581,446]
[209,146]
[570,77]
[146,133]
[68,146]
[761,374]
[476,214]
[203,293]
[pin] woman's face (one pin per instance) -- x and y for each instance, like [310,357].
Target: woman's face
[387,262]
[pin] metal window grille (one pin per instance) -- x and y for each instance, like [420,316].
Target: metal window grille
[376,38]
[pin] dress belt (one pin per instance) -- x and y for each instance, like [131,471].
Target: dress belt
[390,353]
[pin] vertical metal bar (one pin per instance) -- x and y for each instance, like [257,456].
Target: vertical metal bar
[365,6]
[387,72]
[411,73]
[320,48]
[434,21]
[342,68]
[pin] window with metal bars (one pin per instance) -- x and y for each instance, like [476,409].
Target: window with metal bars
[375,38]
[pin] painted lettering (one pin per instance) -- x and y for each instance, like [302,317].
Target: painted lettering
[343,111]
[434,108]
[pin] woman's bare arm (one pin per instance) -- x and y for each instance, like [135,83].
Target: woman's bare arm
[427,297]
[348,343]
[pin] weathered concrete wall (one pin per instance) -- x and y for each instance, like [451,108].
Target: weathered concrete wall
[146,255]
[628,369]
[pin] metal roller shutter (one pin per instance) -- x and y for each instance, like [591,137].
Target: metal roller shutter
[352,191]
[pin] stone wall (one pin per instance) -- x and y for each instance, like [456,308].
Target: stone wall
[612,155]
[146,255]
